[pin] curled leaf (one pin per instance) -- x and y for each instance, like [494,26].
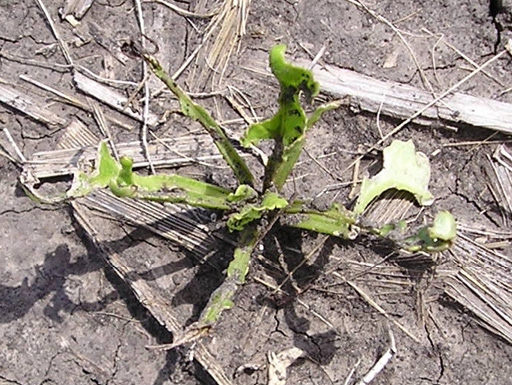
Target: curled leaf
[243,193]
[251,212]
[444,227]
[439,236]
[404,169]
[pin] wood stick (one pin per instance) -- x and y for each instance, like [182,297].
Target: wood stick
[66,161]
[110,97]
[19,100]
[401,101]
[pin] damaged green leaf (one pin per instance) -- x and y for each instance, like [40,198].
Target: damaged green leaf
[124,182]
[439,236]
[404,169]
[289,125]
[251,212]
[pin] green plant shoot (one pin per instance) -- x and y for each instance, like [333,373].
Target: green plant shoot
[289,125]
[336,221]
[246,208]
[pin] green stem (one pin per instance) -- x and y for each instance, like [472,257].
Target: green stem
[222,298]
[337,221]
[197,112]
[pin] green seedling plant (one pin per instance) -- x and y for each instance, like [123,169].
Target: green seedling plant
[250,211]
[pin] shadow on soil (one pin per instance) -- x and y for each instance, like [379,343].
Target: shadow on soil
[284,249]
[52,275]
[50,280]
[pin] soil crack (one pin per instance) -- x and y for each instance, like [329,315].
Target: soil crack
[116,353]
[278,324]
[50,364]
[439,355]
[29,210]
[8,381]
